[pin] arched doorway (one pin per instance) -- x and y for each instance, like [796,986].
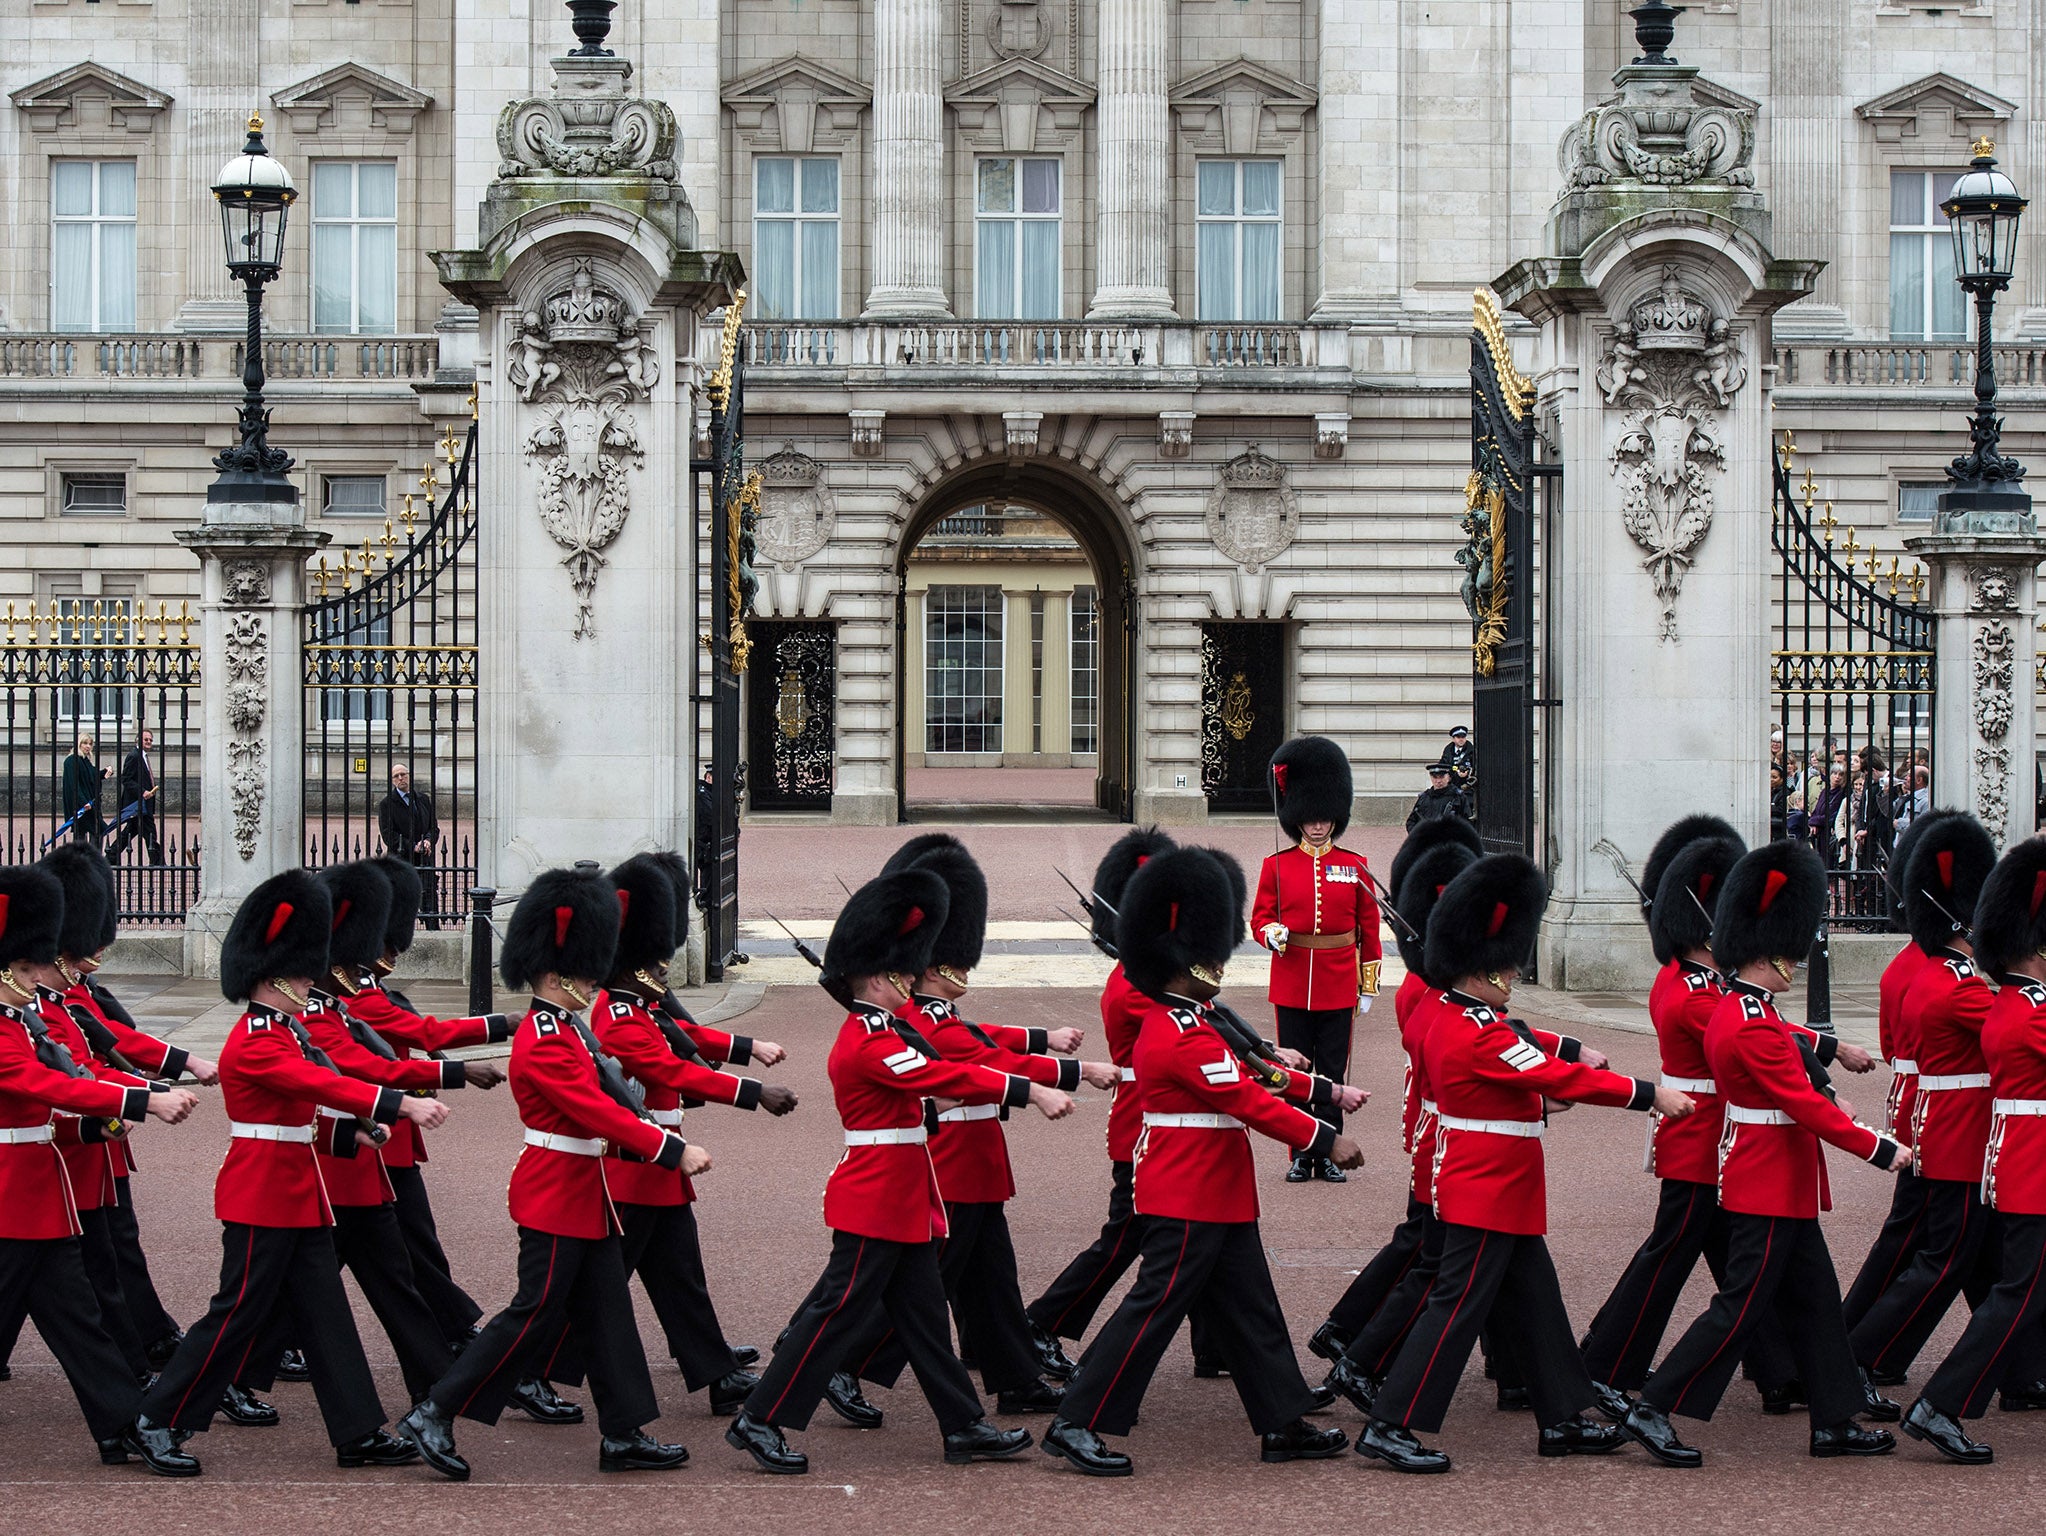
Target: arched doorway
[990,585]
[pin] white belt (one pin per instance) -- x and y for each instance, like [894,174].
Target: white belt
[249,1132]
[1428,1107]
[2010,1107]
[1904,1066]
[1946,1083]
[1740,1114]
[893,1136]
[1689,1084]
[21,1135]
[580,1146]
[1129,1074]
[1194,1122]
[1531,1129]
[335,1114]
[665,1116]
[973,1112]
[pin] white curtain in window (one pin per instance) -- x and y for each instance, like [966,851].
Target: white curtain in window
[774,268]
[376,279]
[996,280]
[333,277]
[1041,269]
[819,298]
[1949,303]
[1217,262]
[117,276]
[1260,272]
[71,292]
[1907,287]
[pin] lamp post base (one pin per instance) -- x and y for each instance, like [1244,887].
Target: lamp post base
[1994,508]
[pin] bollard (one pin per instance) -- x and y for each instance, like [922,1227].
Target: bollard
[1818,983]
[481,991]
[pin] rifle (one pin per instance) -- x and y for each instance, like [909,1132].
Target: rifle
[1385,905]
[1093,938]
[802,949]
[1610,849]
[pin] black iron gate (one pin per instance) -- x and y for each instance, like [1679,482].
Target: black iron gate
[791,715]
[1498,583]
[1243,712]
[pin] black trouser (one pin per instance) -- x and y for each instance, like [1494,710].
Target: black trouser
[1895,1246]
[1949,1256]
[146,1311]
[368,1241]
[1775,1266]
[44,1280]
[661,1246]
[275,1282]
[866,1280]
[454,1309]
[1479,1271]
[142,825]
[2002,1340]
[1374,1347]
[572,1315]
[1214,1268]
[103,1274]
[977,1264]
[1376,1280]
[1322,1035]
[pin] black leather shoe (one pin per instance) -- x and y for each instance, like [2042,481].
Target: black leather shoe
[1650,1429]
[1328,1342]
[1515,1400]
[1395,1445]
[1209,1369]
[1302,1441]
[763,1442]
[1780,1400]
[376,1449]
[538,1401]
[1038,1397]
[1084,1451]
[432,1433]
[745,1356]
[1875,1406]
[113,1452]
[1611,1402]
[982,1441]
[1581,1437]
[1852,1439]
[849,1403]
[1889,1378]
[728,1393]
[638,1452]
[159,1351]
[1345,1377]
[1301,1171]
[158,1449]
[1052,1358]
[1327,1171]
[1945,1435]
[2023,1399]
[1322,1396]
[238,1405]
[291,1366]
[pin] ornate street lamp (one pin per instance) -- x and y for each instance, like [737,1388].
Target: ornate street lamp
[255,194]
[1983,211]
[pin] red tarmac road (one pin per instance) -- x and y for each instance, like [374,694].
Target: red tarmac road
[1197,1467]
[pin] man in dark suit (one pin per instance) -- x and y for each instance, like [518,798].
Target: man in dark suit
[82,780]
[406,820]
[137,817]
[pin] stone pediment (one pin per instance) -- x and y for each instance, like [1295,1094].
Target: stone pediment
[1239,76]
[796,73]
[809,103]
[89,95]
[1240,94]
[354,96]
[1018,79]
[1935,108]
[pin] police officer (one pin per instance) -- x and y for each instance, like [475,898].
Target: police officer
[1441,798]
[1462,757]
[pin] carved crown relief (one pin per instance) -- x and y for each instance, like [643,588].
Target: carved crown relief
[797,509]
[1253,516]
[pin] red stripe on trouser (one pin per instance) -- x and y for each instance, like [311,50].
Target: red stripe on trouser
[1429,1369]
[546,1290]
[1185,1232]
[1938,1280]
[1903,1250]
[248,1258]
[2004,1343]
[850,1281]
[1652,1279]
[1386,1356]
[1768,1244]
[1106,1265]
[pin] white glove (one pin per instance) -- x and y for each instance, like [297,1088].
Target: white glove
[1276,935]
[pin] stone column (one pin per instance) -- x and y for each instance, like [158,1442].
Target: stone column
[1132,194]
[252,683]
[909,161]
[1360,161]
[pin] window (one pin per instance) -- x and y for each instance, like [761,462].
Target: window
[963,669]
[95,495]
[355,247]
[1925,302]
[353,496]
[1086,658]
[795,238]
[1238,239]
[97,668]
[92,245]
[347,658]
[1918,500]
[1016,240]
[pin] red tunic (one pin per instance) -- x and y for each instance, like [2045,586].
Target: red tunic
[35,1192]
[632,1036]
[1323,893]
[968,1148]
[1898,1045]
[156,1057]
[408,1032]
[357,1176]
[1680,1006]
[1412,992]
[1122,1018]
[1944,1010]
[1418,1123]
[2014,1040]
[1775,1169]
[92,1164]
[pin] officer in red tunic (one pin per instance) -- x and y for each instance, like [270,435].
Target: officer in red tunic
[278,1271]
[1316,914]
[882,1202]
[1490,1077]
[1196,1182]
[42,1266]
[1772,1176]
[572,1312]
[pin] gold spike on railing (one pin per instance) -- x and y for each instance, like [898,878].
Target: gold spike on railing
[1811,490]
[1827,523]
[347,569]
[390,540]
[10,623]
[323,576]
[409,517]
[184,623]
[1789,450]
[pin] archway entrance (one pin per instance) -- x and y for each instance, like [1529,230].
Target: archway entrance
[1016,628]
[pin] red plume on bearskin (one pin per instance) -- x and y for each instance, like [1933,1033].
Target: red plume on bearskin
[31,914]
[565,925]
[1432,833]
[1677,836]
[1944,880]
[282,928]
[876,935]
[1182,909]
[959,942]
[1426,880]
[361,894]
[1310,781]
[1486,919]
[646,905]
[1125,856]
[1769,906]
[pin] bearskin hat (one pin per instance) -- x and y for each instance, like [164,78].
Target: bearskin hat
[1125,856]
[31,914]
[1485,919]
[1309,779]
[1426,880]
[1432,833]
[1681,919]
[959,943]
[2010,919]
[361,894]
[110,916]
[565,925]
[1900,860]
[890,924]
[676,868]
[646,929]
[82,870]
[1182,909]
[406,894]
[281,929]
[1769,906]
[1680,833]
[1943,881]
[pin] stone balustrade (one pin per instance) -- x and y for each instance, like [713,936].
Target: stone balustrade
[159,356]
[1049,345]
[1904,365]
